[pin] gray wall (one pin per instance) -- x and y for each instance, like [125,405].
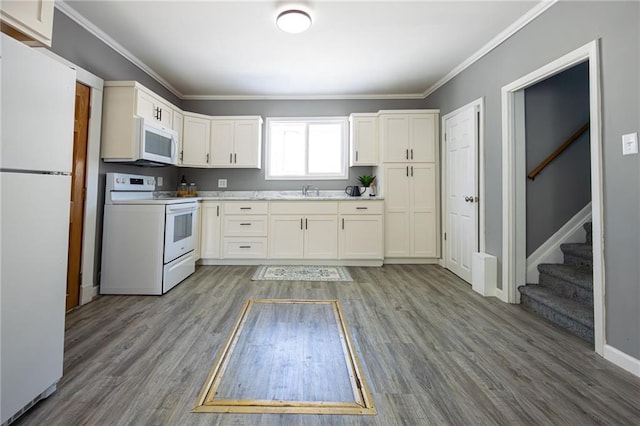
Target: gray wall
[554,110]
[253,179]
[561,29]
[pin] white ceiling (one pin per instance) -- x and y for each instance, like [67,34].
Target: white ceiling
[354,49]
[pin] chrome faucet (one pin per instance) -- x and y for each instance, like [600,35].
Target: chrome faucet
[305,189]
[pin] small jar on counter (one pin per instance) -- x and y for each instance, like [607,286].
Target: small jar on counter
[183,190]
[193,190]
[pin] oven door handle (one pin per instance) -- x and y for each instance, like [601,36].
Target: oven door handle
[171,209]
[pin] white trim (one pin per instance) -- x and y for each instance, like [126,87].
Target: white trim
[622,360]
[253,262]
[523,21]
[549,251]
[68,10]
[512,234]
[89,289]
[411,261]
[478,106]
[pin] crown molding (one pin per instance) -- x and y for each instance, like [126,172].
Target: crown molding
[483,51]
[65,8]
[524,20]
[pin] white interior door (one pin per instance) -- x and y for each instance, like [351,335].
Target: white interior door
[461,198]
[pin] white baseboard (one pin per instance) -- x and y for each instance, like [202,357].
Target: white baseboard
[411,261]
[622,360]
[257,262]
[87,293]
[549,251]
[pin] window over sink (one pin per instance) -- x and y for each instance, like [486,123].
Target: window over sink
[306,148]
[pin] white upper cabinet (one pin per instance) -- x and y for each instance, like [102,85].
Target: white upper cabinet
[236,142]
[408,136]
[196,140]
[363,140]
[32,19]
[153,108]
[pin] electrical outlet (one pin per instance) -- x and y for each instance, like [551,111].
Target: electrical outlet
[630,144]
[222,183]
[159,181]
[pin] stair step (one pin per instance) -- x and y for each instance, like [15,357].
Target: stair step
[574,282]
[589,229]
[579,254]
[564,312]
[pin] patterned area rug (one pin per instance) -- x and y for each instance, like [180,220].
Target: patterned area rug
[301,273]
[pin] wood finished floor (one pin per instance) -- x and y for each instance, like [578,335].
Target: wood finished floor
[433,352]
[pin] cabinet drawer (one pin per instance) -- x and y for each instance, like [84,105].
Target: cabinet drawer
[304,207]
[361,207]
[245,226]
[244,248]
[245,207]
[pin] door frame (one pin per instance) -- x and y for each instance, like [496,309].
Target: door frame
[478,105]
[513,181]
[88,287]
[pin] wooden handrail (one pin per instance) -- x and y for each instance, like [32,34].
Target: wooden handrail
[558,151]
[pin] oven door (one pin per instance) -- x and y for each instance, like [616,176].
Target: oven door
[180,226]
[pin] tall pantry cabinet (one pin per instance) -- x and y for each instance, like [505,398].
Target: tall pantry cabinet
[408,176]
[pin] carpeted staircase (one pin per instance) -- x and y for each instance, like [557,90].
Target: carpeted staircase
[565,292]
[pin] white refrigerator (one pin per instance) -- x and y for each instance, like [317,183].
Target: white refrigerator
[37,114]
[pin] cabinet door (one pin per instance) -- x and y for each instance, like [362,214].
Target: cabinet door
[321,237]
[364,140]
[394,137]
[423,210]
[361,237]
[222,143]
[210,243]
[247,144]
[32,18]
[397,199]
[423,138]
[286,237]
[151,108]
[195,141]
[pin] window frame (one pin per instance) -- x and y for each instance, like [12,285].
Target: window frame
[343,121]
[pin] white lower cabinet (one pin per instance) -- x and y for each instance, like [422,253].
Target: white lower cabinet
[210,233]
[198,233]
[303,230]
[361,230]
[244,230]
[410,211]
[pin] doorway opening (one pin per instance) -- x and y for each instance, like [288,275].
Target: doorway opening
[514,181]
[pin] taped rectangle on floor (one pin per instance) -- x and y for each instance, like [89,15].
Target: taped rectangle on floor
[287,356]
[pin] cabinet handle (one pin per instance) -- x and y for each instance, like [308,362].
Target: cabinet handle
[407,171]
[343,223]
[306,224]
[412,153]
[217,210]
[356,155]
[160,110]
[362,208]
[245,208]
[407,153]
[411,171]
[230,158]
[245,247]
[301,224]
[181,155]
[245,224]
[207,158]
[235,158]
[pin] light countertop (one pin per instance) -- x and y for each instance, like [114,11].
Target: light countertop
[272,196]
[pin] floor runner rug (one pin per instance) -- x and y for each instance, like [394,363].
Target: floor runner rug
[301,273]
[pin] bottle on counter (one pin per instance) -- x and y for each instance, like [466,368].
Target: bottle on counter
[183,190]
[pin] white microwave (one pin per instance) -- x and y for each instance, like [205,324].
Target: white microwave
[156,144]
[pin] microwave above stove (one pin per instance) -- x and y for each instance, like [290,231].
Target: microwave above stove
[152,145]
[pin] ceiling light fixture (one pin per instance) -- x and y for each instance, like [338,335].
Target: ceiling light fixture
[293,21]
